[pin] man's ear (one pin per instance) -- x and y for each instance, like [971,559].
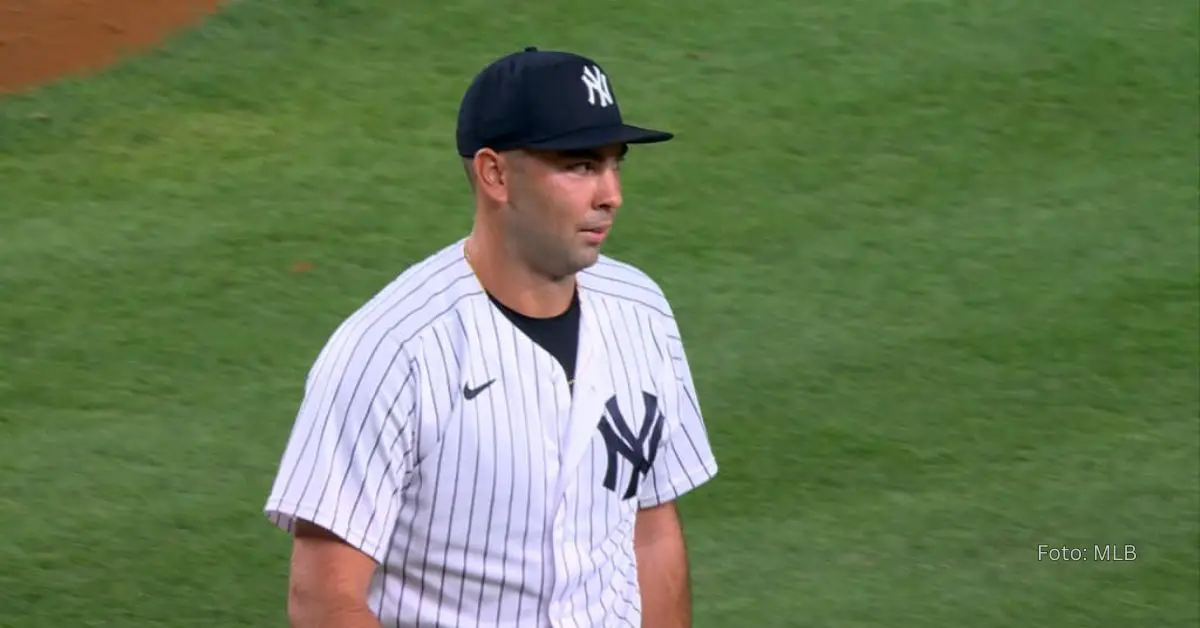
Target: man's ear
[491,174]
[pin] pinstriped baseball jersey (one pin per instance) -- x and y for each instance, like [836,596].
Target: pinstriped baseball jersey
[447,445]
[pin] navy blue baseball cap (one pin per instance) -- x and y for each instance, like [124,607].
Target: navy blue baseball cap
[548,100]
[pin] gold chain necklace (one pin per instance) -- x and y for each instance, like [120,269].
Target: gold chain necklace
[470,262]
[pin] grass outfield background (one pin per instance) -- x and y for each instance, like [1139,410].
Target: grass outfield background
[937,266]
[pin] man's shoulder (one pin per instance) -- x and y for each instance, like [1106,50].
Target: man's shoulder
[422,294]
[611,278]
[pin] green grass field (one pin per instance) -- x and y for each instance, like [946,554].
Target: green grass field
[937,264]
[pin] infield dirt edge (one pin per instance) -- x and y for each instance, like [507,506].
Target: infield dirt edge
[42,41]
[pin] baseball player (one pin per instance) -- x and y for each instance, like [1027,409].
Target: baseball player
[499,436]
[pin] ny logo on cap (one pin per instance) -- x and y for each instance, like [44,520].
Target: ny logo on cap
[597,86]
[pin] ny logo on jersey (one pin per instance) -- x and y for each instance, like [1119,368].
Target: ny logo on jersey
[597,86]
[620,440]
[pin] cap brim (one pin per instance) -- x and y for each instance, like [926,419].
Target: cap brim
[602,136]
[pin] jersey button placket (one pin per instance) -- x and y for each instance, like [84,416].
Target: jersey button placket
[560,534]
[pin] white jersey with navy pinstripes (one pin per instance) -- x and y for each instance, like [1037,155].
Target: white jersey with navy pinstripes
[437,438]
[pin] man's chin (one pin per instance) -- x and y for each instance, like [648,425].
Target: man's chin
[585,258]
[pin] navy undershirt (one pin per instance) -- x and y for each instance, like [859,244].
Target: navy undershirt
[559,335]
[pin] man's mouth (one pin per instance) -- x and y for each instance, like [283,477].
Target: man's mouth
[596,234]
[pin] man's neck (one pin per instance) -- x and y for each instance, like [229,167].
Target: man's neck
[511,281]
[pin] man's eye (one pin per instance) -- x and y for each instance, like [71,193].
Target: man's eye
[582,167]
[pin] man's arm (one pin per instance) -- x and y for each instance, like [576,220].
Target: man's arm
[662,568]
[328,583]
[338,487]
[683,462]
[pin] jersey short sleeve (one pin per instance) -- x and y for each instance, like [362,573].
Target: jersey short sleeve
[349,450]
[685,458]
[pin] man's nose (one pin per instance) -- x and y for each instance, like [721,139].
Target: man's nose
[608,192]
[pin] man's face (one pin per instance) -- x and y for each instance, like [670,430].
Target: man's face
[561,206]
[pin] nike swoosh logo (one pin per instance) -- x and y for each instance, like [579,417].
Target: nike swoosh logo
[471,393]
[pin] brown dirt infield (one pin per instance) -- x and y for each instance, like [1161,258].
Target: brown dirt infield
[41,40]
